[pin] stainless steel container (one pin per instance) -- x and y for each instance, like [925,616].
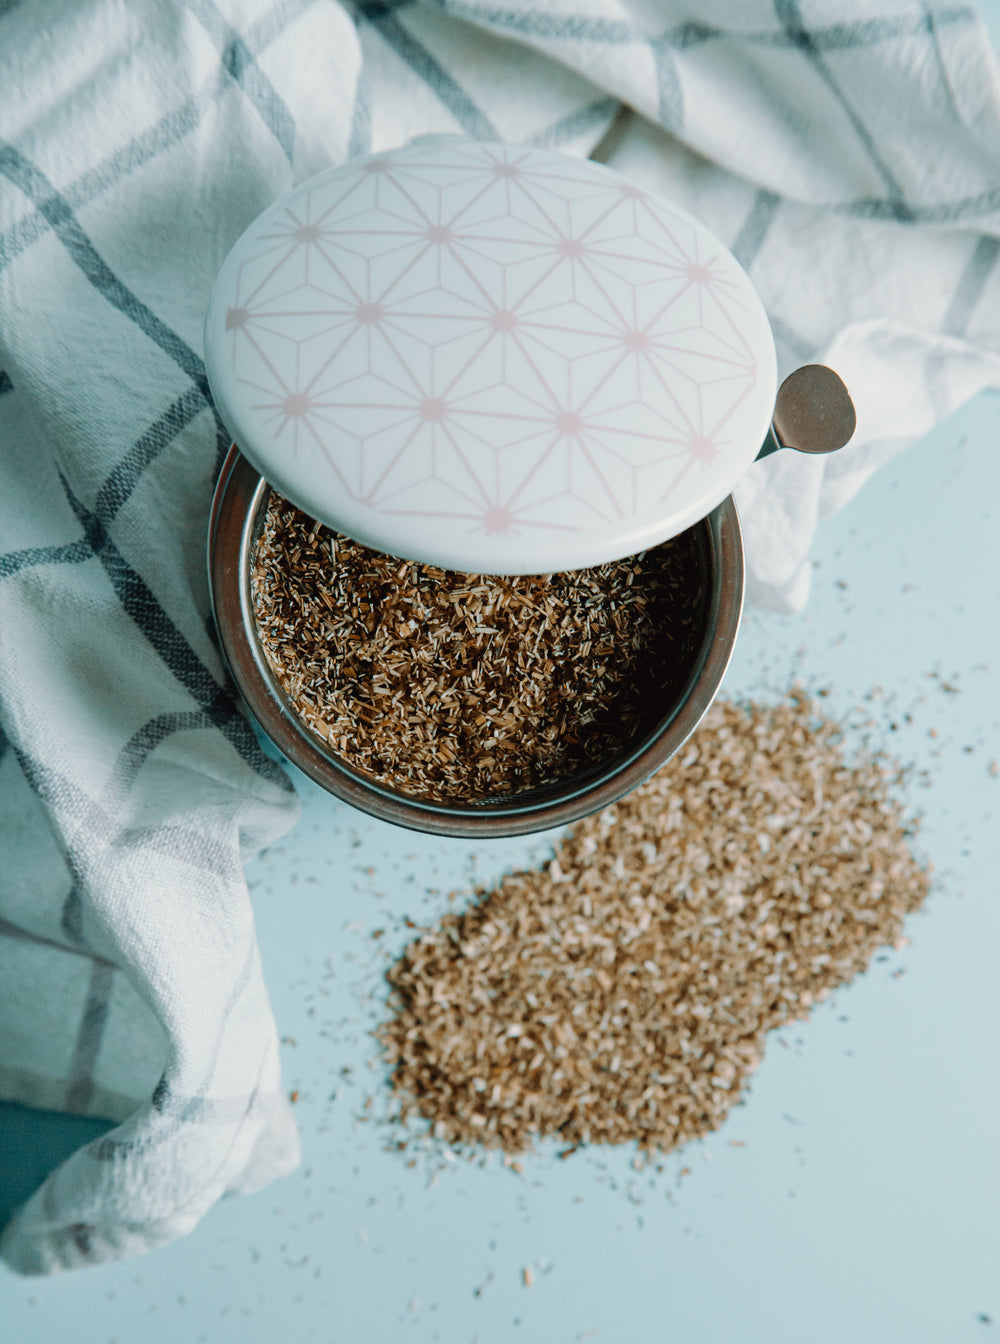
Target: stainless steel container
[496,360]
[237,515]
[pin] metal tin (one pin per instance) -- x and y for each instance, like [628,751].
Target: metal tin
[495,359]
[238,510]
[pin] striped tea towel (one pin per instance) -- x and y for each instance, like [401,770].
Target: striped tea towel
[849,154]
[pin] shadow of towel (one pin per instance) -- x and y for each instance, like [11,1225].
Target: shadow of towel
[33,1143]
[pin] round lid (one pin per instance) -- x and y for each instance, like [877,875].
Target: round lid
[491,358]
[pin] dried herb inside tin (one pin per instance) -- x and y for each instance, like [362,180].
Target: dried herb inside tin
[464,686]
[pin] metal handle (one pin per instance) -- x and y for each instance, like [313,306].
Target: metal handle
[813,413]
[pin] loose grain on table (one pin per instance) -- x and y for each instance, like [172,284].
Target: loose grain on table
[624,992]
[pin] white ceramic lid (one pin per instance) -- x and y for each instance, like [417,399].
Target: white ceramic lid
[493,358]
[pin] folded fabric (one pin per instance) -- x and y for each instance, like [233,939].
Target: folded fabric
[848,155]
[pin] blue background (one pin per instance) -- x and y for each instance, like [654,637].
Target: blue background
[863,1205]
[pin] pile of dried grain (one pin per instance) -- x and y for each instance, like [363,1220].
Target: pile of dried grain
[459,686]
[624,992]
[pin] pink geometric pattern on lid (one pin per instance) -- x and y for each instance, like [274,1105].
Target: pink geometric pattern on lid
[506,347]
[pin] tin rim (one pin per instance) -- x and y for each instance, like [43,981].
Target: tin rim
[240,498]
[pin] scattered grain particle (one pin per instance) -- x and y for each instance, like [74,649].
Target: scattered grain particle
[527,1276]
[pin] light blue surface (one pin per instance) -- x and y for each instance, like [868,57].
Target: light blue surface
[863,1206]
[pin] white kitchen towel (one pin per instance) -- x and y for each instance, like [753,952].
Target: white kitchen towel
[849,154]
